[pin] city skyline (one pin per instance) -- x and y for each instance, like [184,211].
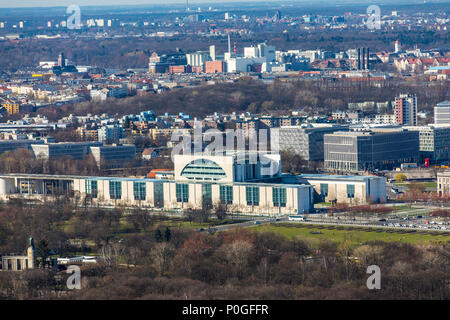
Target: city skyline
[50,3]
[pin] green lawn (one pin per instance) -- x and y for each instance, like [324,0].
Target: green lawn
[355,235]
[425,184]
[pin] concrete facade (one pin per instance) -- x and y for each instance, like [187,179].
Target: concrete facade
[443,183]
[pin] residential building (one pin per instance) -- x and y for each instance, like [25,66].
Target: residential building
[110,133]
[406,109]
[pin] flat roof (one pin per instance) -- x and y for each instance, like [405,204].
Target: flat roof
[335,177]
[69,177]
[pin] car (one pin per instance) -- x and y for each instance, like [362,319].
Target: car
[419,217]
[201,229]
[382,220]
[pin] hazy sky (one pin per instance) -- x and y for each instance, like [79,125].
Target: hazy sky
[56,3]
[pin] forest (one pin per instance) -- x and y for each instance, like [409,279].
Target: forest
[147,256]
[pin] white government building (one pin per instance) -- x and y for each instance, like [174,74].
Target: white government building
[240,182]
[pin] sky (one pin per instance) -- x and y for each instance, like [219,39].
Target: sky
[57,3]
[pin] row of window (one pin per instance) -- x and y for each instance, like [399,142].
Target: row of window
[115,189]
[350,190]
[279,197]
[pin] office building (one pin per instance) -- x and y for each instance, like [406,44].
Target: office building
[113,156]
[344,189]
[11,145]
[50,151]
[442,113]
[231,180]
[434,142]
[368,150]
[305,140]
[406,109]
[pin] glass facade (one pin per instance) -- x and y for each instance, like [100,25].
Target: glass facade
[203,169]
[139,190]
[92,188]
[226,194]
[279,197]
[207,194]
[182,191]
[350,190]
[252,195]
[115,189]
[324,189]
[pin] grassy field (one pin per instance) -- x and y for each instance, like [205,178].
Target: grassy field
[425,184]
[356,235]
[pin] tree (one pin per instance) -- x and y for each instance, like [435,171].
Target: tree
[161,255]
[400,177]
[158,236]
[42,252]
[167,234]
[237,255]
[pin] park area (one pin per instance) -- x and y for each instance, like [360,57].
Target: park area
[355,235]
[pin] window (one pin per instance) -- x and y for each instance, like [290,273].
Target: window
[226,194]
[115,189]
[350,190]
[91,188]
[324,189]
[139,190]
[207,194]
[252,194]
[182,191]
[203,169]
[279,197]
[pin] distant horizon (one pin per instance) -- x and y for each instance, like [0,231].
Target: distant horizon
[111,3]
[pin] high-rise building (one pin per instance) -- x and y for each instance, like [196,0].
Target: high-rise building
[61,60]
[397,47]
[363,58]
[442,113]
[406,109]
